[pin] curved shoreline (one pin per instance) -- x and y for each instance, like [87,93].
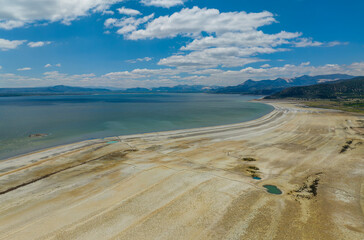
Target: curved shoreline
[198,182]
[98,140]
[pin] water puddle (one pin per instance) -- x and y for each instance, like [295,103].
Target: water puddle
[257,178]
[111,142]
[273,189]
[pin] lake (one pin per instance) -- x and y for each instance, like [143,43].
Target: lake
[68,119]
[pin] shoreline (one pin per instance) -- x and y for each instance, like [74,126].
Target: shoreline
[105,139]
[203,183]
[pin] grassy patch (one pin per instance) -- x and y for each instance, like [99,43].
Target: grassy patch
[349,105]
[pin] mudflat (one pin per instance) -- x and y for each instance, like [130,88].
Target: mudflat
[205,183]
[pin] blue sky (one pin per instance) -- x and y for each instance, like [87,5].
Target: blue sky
[150,43]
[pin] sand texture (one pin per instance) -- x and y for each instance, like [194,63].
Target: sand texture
[196,184]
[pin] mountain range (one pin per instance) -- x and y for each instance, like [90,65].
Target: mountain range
[263,87]
[342,89]
[267,87]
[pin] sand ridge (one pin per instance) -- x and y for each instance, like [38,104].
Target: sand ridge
[197,183]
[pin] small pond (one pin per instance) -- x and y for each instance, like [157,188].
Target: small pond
[272,189]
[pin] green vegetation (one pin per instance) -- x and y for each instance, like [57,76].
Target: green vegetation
[349,105]
[249,159]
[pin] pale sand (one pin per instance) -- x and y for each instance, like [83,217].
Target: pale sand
[194,184]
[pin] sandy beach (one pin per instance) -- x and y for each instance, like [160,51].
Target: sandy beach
[204,183]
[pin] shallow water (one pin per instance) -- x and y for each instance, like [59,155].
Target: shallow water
[70,119]
[273,189]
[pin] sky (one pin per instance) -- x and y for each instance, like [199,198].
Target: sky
[151,43]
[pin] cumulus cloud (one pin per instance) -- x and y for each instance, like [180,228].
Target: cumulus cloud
[214,57]
[163,3]
[10,24]
[10,44]
[38,44]
[245,39]
[227,39]
[127,24]
[128,11]
[17,13]
[24,69]
[192,22]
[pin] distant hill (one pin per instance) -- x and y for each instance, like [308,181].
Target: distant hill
[183,89]
[55,90]
[175,89]
[342,89]
[66,90]
[267,87]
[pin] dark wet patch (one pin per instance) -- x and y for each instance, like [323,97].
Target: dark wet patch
[346,146]
[154,148]
[254,168]
[249,159]
[309,189]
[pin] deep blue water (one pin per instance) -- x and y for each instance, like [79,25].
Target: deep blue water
[74,118]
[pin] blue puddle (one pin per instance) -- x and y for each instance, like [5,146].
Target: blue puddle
[111,142]
[257,178]
[273,189]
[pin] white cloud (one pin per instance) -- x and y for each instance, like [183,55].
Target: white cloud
[336,43]
[128,11]
[307,42]
[10,44]
[214,57]
[145,59]
[244,39]
[17,13]
[50,65]
[171,76]
[265,66]
[24,69]
[163,3]
[38,44]
[10,24]
[192,22]
[227,39]
[127,24]
[107,12]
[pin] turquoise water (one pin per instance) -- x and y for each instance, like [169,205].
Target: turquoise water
[68,119]
[273,189]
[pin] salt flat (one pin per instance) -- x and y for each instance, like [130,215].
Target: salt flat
[197,183]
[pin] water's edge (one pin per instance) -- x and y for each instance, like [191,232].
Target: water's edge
[80,138]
